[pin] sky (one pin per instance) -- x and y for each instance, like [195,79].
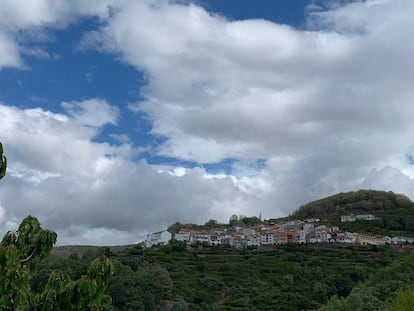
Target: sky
[122,117]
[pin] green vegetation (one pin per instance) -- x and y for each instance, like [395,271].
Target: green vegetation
[388,289]
[3,163]
[292,277]
[178,277]
[395,212]
[21,252]
[404,301]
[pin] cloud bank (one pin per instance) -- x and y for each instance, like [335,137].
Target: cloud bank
[326,109]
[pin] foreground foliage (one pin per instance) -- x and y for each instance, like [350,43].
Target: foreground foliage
[3,163]
[21,252]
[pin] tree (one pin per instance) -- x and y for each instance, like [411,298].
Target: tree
[211,223]
[233,220]
[403,301]
[3,163]
[22,250]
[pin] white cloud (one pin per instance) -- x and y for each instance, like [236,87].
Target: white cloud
[328,109]
[92,112]
[122,138]
[2,214]
[335,101]
[390,179]
[24,22]
[91,192]
[338,96]
[10,52]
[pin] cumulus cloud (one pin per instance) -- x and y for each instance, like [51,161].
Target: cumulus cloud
[92,112]
[335,98]
[303,114]
[390,179]
[10,56]
[23,22]
[255,89]
[92,192]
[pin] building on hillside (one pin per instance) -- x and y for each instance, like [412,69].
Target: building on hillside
[303,236]
[247,231]
[238,242]
[214,240]
[293,237]
[352,217]
[266,238]
[333,229]
[158,238]
[280,238]
[183,235]
[253,240]
[387,239]
[368,217]
[365,239]
[291,225]
[199,237]
[218,231]
[401,240]
[319,235]
[312,220]
[346,237]
[348,218]
[307,226]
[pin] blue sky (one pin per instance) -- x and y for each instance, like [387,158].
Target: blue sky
[120,117]
[73,73]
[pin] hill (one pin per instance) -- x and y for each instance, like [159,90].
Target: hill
[394,212]
[292,277]
[82,250]
[388,289]
[288,277]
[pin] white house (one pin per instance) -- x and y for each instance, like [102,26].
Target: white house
[308,226]
[266,238]
[247,231]
[238,241]
[366,217]
[183,235]
[214,240]
[319,235]
[199,237]
[365,239]
[345,218]
[253,240]
[352,217]
[401,240]
[303,236]
[346,237]
[158,238]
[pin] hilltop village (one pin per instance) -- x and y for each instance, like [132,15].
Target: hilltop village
[267,235]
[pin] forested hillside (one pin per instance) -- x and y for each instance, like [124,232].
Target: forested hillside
[326,276]
[395,212]
[390,289]
[293,277]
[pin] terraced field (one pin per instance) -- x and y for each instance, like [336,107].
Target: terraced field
[293,277]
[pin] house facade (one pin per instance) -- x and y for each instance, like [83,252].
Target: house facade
[183,235]
[158,238]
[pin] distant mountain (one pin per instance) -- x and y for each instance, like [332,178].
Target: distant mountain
[395,212]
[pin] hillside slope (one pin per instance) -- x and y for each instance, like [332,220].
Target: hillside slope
[395,212]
